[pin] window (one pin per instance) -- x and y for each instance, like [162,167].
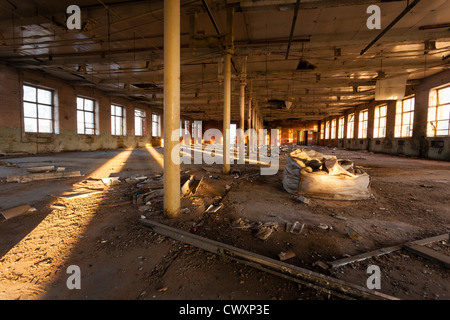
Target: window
[85,116]
[327,130]
[404,118]
[291,135]
[439,113]
[117,120]
[186,127]
[362,125]
[379,130]
[341,128]
[333,129]
[38,110]
[322,131]
[140,122]
[156,125]
[350,126]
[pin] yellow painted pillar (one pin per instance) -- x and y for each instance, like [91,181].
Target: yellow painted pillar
[228,51]
[172,190]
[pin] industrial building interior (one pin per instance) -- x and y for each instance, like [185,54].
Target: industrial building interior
[348,101]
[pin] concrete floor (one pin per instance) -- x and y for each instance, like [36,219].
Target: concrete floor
[410,202]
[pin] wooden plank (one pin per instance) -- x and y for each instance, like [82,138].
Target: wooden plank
[14,212]
[387,250]
[306,277]
[429,254]
[42,176]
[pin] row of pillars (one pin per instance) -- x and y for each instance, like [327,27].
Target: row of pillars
[172,190]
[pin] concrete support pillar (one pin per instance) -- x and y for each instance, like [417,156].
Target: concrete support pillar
[172,190]
[228,51]
[242,123]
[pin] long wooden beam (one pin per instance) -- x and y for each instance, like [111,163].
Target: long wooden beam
[305,277]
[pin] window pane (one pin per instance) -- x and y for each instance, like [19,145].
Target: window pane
[80,105]
[113,110]
[89,119]
[442,125]
[443,112]
[45,112]
[119,111]
[45,126]
[444,96]
[44,96]
[88,105]
[431,114]
[29,94]
[90,131]
[383,111]
[118,126]
[29,110]
[30,125]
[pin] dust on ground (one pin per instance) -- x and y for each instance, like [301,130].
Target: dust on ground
[119,259]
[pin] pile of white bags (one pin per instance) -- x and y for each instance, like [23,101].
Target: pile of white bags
[312,174]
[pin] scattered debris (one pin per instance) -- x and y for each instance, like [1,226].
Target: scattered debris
[110,180]
[303,199]
[283,256]
[42,176]
[323,226]
[41,169]
[214,207]
[265,230]
[58,206]
[295,227]
[352,233]
[190,186]
[241,224]
[79,193]
[16,211]
[116,204]
[338,217]
[321,264]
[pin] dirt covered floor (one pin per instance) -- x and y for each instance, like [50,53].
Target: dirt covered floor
[100,233]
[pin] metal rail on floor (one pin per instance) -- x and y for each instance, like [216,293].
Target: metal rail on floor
[320,282]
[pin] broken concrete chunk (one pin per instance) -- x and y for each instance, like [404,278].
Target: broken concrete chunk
[321,264]
[303,199]
[286,255]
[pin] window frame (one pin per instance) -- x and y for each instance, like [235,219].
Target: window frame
[434,103]
[378,117]
[36,104]
[94,114]
[363,123]
[333,129]
[158,123]
[341,127]
[115,117]
[142,122]
[351,126]
[399,128]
